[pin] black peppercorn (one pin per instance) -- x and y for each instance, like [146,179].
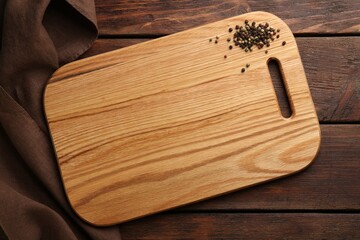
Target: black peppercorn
[243,70]
[283,43]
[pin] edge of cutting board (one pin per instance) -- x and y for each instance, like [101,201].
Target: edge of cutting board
[155,40]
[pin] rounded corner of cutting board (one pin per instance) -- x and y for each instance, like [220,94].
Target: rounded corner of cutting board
[312,156]
[317,149]
[88,218]
[94,219]
[48,86]
[45,99]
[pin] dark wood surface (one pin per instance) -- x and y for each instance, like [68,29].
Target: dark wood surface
[245,226]
[323,202]
[158,17]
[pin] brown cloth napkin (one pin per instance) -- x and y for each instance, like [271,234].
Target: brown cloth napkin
[37,36]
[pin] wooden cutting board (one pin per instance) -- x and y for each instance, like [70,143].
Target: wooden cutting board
[171,121]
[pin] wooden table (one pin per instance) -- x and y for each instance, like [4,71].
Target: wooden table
[323,202]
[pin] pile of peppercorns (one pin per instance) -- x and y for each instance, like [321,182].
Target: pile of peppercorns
[252,35]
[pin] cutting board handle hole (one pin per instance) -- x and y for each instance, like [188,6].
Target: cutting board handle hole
[281,92]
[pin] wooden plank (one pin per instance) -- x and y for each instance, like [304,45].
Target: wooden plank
[331,67]
[244,226]
[173,121]
[116,17]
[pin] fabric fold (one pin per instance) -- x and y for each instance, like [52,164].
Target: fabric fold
[37,37]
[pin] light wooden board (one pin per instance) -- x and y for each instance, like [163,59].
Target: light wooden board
[170,121]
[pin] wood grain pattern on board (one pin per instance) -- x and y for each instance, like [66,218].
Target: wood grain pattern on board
[331,67]
[331,183]
[170,121]
[294,226]
[156,17]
